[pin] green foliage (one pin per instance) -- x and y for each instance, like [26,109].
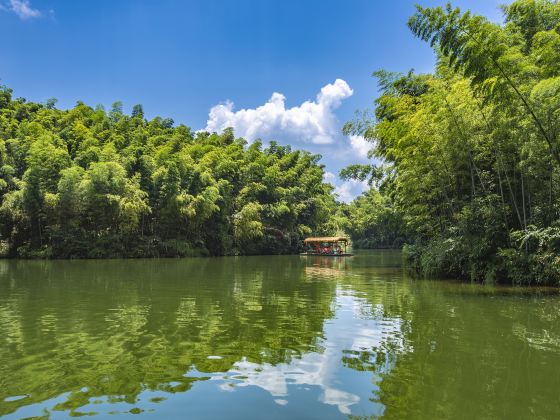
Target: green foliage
[247,223]
[374,222]
[86,183]
[536,260]
[471,153]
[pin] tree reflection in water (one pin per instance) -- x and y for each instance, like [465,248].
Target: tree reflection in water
[322,336]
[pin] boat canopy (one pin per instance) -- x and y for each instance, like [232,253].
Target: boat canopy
[327,239]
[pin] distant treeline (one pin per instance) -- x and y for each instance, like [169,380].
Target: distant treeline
[470,155]
[372,221]
[89,183]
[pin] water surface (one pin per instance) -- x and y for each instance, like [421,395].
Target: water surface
[274,337]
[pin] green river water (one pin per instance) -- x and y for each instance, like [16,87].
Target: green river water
[271,337]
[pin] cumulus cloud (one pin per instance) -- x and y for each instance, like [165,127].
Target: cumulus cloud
[312,121]
[350,189]
[360,145]
[329,177]
[22,8]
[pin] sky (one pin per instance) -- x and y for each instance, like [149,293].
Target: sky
[287,70]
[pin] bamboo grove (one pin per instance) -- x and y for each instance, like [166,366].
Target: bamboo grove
[469,156]
[96,184]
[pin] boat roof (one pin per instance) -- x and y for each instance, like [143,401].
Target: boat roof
[326,239]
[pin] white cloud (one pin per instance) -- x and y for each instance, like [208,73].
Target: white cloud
[360,145]
[312,121]
[22,8]
[350,189]
[329,177]
[347,190]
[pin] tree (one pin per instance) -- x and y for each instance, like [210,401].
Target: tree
[137,111]
[86,183]
[470,154]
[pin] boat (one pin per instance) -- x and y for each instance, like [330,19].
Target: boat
[326,246]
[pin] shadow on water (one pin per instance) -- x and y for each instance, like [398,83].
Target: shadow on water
[319,337]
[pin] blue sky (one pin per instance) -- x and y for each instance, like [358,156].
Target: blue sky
[201,62]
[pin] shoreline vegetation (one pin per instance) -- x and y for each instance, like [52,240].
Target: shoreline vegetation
[468,157]
[86,183]
[465,179]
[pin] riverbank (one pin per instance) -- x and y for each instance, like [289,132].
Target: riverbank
[91,246]
[451,259]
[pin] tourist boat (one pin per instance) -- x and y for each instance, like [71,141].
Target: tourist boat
[328,246]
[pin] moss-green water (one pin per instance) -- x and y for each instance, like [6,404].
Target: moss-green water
[279,337]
